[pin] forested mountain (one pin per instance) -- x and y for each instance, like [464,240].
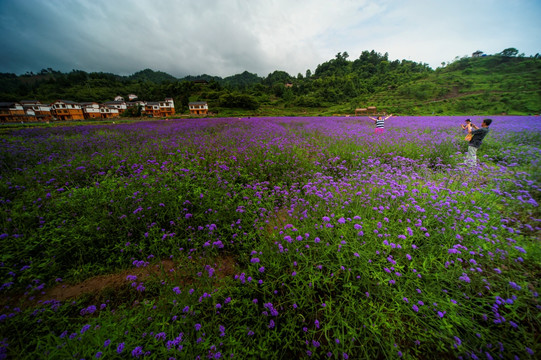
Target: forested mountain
[492,84]
[157,77]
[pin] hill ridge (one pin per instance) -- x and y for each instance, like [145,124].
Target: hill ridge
[492,84]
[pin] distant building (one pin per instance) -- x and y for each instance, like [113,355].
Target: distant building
[67,110]
[167,107]
[130,104]
[151,109]
[108,112]
[12,112]
[478,53]
[119,98]
[36,111]
[360,111]
[370,110]
[91,110]
[119,105]
[198,107]
[132,97]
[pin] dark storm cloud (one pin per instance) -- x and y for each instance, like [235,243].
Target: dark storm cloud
[124,37]
[226,37]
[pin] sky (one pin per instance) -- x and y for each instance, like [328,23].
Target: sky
[227,37]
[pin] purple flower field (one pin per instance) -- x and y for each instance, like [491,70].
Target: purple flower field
[271,238]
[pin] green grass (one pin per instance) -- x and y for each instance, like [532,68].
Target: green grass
[269,238]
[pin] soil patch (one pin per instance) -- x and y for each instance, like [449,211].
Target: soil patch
[224,267]
[99,283]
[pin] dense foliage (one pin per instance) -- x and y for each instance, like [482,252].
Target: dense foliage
[270,238]
[495,84]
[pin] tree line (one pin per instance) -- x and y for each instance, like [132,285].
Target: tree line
[339,82]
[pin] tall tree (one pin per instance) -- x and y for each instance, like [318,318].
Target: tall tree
[509,52]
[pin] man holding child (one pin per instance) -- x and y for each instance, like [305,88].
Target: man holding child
[475,139]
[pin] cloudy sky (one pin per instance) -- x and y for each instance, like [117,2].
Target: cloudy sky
[227,37]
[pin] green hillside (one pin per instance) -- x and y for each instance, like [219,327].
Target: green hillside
[502,83]
[488,85]
[496,84]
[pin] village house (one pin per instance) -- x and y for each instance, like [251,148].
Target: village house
[119,105]
[11,112]
[107,112]
[91,110]
[36,111]
[131,104]
[158,108]
[67,110]
[198,108]
[131,97]
[151,109]
[167,107]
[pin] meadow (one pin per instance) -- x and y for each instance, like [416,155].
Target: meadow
[274,238]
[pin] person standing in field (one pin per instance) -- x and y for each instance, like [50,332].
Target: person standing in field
[380,123]
[477,139]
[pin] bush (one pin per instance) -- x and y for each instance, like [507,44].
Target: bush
[236,100]
[308,101]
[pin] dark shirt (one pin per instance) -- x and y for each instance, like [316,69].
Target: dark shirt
[478,136]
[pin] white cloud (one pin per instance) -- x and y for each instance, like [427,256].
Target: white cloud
[226,37]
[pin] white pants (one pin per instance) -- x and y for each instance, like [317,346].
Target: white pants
[471,157]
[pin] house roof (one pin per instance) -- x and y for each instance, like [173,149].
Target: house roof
[197,103]
[66,102]
[7,104]
[115,102]
[103,106]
